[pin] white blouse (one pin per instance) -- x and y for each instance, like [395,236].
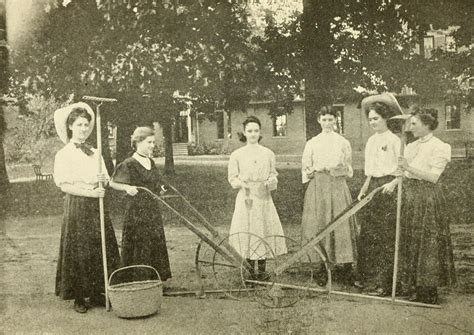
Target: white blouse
[428,154]
[381,154]
[252,163]
[326,151]
[73,166]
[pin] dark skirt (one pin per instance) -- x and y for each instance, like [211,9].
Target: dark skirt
[143,237]
[80,270]
[426,253]
[377,236]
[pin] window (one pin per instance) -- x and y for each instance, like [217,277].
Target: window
[453,117]
[279,126]
[429,45]
[220,124]
[340,118]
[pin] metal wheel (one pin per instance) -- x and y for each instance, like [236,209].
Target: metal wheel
[302,278]
[231,276]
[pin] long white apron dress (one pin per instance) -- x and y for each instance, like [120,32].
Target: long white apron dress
[328,195]
[255,213]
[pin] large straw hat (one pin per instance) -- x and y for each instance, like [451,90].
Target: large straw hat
[385,98]
[61,115]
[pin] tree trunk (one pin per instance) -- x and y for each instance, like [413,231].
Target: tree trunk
[168,136]
[4,182]
[123,149]
[106,154]
[318,60]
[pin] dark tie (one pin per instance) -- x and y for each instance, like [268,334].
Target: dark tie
[86,148]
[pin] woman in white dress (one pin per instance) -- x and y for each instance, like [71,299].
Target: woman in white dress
[326,163]
[252,171]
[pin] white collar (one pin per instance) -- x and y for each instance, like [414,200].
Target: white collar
[144,161]
[425,138]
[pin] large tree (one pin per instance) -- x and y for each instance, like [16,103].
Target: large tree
[367,44]
[147,54]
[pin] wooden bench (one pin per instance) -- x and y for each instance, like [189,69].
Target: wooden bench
[41,176]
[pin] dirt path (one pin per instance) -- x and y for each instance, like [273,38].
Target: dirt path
[28,305]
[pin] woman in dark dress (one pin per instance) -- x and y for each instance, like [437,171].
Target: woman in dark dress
[426,253]
[80,269]
[143,237]
[378,219]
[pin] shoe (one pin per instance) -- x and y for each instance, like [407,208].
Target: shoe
[97,301]
[80,306]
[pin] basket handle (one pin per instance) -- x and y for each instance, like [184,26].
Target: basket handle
[134,266]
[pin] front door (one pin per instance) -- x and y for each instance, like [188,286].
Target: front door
[181,129]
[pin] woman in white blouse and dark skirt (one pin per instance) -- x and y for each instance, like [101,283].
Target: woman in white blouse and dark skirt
[378,219]
[426,254]
[79,270]
[326,163]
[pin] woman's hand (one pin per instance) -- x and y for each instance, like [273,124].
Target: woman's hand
[309,173]
[102,178]
[361,195]
[131,190]
[403,164]
[389,187]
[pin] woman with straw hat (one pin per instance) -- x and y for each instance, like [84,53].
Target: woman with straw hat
[378,219]
[80,270]
[143,237]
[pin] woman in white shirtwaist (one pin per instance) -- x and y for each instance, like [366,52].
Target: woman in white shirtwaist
[252,171]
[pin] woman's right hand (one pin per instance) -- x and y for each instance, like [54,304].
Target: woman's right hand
[361,195]
[131,190]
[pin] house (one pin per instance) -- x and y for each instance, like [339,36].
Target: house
[285,134]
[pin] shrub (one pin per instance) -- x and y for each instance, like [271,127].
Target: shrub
[33,138]
[207,149]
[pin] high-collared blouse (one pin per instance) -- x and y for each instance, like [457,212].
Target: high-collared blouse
[381,154]
[324,152]
[73,166]
[428,154]
[252,163]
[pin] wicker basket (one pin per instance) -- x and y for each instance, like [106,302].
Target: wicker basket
[138,298]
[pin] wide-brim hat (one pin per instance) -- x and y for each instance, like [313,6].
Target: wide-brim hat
[61,115]
[387,99]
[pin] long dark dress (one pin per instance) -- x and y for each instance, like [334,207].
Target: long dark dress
[80,270]
[377,236]
[143,236]
[426,253]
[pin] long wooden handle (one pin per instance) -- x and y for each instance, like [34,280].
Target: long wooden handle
[101,210]
[397,226]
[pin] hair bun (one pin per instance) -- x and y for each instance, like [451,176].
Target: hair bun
[432,112]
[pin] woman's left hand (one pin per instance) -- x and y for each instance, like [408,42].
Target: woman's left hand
[402,163]
[102,178]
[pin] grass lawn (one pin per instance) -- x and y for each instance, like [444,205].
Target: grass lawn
[207,188]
